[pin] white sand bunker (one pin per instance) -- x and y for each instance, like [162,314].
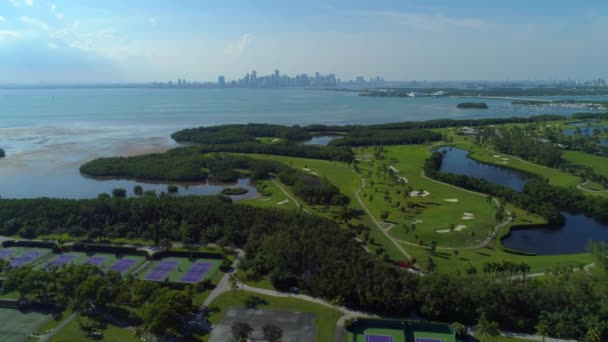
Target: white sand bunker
[265,199]
[457,228]
[419,194]
[453,200]
[495,156]
[417,221]
[468,216]
[504,158]
[394,169]
[503,162]
[283,202]
[306,169]
[402,180]
[460,227]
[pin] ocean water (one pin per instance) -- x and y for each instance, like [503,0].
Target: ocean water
[47,134]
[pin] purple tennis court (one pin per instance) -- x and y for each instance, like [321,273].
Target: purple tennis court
[25,258]
[428,340]
[197,272]
[96,260]
[378,338]
[162,270]
[61,260]
[5,253]
[122,265]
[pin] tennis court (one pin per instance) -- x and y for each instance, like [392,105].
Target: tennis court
[19,256]
[181,270]
[104,261]
[378,330]
[17,326]
[378,338]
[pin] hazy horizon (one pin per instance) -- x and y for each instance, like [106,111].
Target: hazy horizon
[59,42]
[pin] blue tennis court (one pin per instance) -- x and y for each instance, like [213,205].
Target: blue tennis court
[428,340]
[197,272]
[378,338]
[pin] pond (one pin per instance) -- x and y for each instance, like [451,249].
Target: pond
[69,185]
[572,237]
[456,161]
[321,139]
[588,131]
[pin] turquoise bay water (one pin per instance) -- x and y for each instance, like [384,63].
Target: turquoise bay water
[48,133]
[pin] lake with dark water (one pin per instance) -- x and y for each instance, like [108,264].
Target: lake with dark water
[48,133]
[456,161]
[570,238]
[587,130]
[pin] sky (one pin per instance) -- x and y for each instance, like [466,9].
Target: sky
[61,41]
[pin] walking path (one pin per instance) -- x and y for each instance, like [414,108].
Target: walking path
[582,187]
[295,201]
[490,236]
[376,222]
[58,328]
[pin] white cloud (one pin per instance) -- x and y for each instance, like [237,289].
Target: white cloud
[2,19]
[237,48]
[57,14]
[9,34]
[153,20]
[418,21]
[18,3]
[51,45]
[34,22]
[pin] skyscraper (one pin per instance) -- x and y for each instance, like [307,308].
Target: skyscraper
[221,81]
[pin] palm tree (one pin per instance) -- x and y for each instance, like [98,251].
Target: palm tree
[524,269]
[487,328]
[594,334]
[430,265]
[543,329]
[234,281]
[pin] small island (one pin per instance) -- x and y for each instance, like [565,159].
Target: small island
[2,153]
[234,191]
[477,105]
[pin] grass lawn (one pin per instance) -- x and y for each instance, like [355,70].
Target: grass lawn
[342,176]
[65,237]
[598,163]
[556,177]
[72,333]
[53,322]
[10,295]
[433,214]
[447,262]
[272,196]
[184,265]
[510,339]
[199,298]
[325,318]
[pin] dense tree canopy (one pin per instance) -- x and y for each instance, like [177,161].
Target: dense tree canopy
[312,253]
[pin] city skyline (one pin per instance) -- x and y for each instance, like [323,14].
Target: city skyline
[115,41]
